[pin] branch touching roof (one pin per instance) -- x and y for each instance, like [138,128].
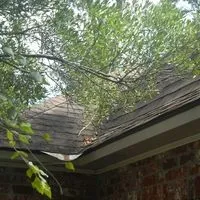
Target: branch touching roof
[62,120]
[176,96]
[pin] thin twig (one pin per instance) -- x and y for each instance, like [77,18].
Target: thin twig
[90,122]
[76,66]
[20,32]
[41,164]
[14,66]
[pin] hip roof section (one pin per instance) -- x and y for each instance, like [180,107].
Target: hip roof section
[177,96]
[63,120]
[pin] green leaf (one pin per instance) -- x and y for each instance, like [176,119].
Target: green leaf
[11,124]
[37,184]
[29,172]
[22,60]
[47,190]
[23,154]
[37,76]
[19,153]
[47,137]
[43,173]
[26,127]
[42,187]
[24,139]
[70,166]
[15,155]
[9,135]
[34,168]
[12,143]
[8,51]
[3,97]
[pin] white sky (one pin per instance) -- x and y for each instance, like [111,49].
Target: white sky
[181,4]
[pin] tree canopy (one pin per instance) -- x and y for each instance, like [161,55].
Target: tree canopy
[105,55]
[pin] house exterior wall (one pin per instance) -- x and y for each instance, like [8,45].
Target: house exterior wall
[14,185]
[173,175]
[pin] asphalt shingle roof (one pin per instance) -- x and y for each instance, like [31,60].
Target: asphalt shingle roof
[175,95]
[63,121]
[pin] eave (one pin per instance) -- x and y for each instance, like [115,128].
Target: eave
[177,130]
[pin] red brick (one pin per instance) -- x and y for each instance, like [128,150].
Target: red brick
[160,191]
[21,189]
[150,168]
[5,197]
[152,193]
[25,197]
[176,174]
[146,161]
[195,170]
[197,187]
[171,176]
[195,145]
[14,182]
[180,150]
[167,176]
[169,163]
[186,158]
[149,180]
[176,190]
[5,188]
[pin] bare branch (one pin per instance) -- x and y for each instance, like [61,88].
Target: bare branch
[20,32]
[75,65]
[14,66]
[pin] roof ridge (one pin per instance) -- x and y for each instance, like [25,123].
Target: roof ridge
[47,109]
[41,113]
[53,107]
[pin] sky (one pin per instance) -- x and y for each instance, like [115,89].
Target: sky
[181,4]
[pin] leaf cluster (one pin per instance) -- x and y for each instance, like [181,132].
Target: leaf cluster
[105,55]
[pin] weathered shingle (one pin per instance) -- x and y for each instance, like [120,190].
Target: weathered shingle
[179,95]
[62,120]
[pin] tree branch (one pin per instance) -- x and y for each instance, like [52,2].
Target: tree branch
[13,65]
[75,65]
[20,32]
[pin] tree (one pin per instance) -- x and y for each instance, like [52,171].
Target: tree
[105,55]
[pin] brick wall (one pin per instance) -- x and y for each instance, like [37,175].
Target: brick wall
[173,175]
[15,186]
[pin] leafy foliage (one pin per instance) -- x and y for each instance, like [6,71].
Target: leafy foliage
[117,48]
[106,55]
[18,154]
[70,166]
[47,137]
[39,183]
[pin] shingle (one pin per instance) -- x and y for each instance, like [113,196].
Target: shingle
[63,121]
[178,97]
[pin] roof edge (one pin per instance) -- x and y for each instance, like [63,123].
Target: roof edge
[144,134]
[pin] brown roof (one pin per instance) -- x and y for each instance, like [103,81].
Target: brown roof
[63,121]
[174,96]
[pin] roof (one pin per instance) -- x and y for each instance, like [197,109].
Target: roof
[177,94]
[63,121]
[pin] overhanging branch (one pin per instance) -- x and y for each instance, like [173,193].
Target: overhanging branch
[76,66]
